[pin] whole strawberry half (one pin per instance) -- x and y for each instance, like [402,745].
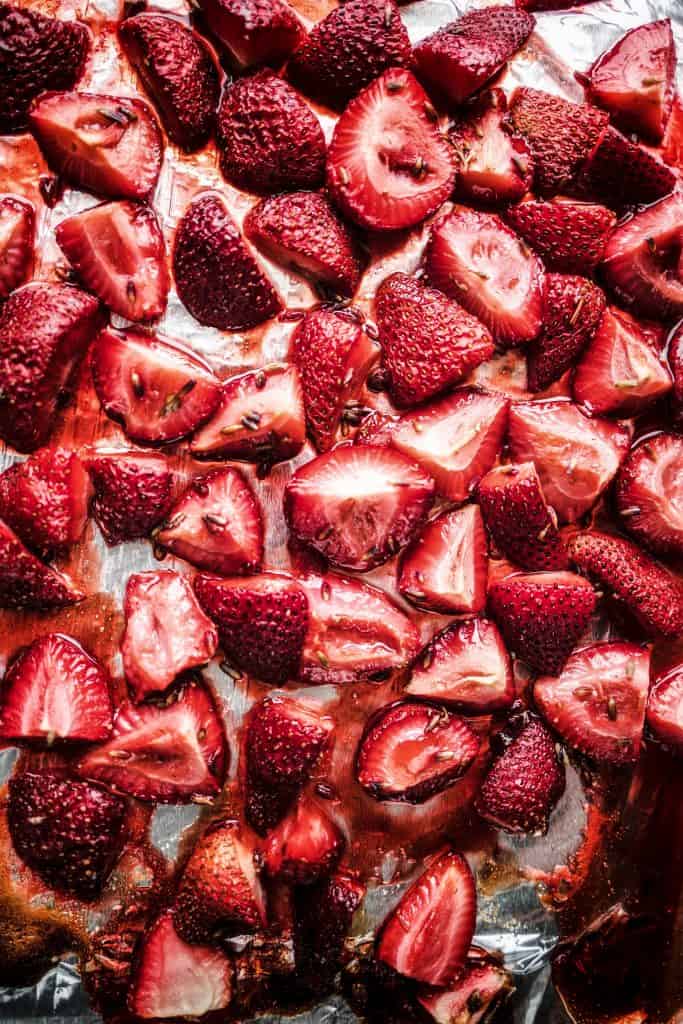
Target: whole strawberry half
[572,310]
[649,493]
[483,985]
[305,846]
[323,915]
[569,236]
[217,277]
[69,832]
[621,173]
[178,71]
[254,31]
[45,330]
[664,713]
[26,582]
[17,231]
[388,165]
[133,492]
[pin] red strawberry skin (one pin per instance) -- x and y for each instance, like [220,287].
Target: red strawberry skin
[676,364]
[323,915]
[17,230]
[572,310]
[305,846]
[570,237]
[25,582]
[133,493]
[665,707]
[484,984]
[649,493]
[620,172]
[254,31]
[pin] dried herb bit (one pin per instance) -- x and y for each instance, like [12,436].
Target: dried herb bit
[213,523]
[174,401]
[117,115]
[252,420]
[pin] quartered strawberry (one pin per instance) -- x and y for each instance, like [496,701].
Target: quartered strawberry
[254,31]
[166,632]
[649,493]
[45,499]
[26,582]
[38,53]
[465,666]
[170,753]
[597,703]
[349,48]
[457,60]
[443,902]
[411,751]
[569,236]
[69,832]
[429,342]
[305,846]
[217,277]
[652,594]
[54,690]
[333,355]
[542,615]
[133,492]
[110,145]
[156,388]
[119,254]
[484,987]
[17,231]
[445,569]
[664,712]
[178,71]
[475,258]
[262,622]
[216,524]
[572,310]
[576,457]
[323,915]
[301,230]
[621,372]
[620,172]
[388,165]
[358,505]
[45,330]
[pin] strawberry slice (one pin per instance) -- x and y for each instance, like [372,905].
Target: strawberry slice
[576,457]
[429,342]
[119,253]
[355,632]
[156,388]
[54,690]
[445,569]
[443,902]
[262,622]
[166,632]
[254,31]
[649,493]
[572,310]
[388,165]
[620,172]
[664,713]
[475,258]
[173,753]
[542,615]
[305,846]
[649,591]
[410,751]
[323,915]
[110,145]
[358,505]
[465,666]
[484,987]
[216,524]
[17,240]
[133,492]
[26,582]
[457,60]
[597,703]
[568,235]
[521,523]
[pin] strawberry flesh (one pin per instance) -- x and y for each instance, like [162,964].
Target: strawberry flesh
[133,492]
[572,310]
[621,173]
[254,31]
[569,236]
[305,846]
[17,231]
[676,364]
[26,582]
[649,493]
[664,712]
[482,988]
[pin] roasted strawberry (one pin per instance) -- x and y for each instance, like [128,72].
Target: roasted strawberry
[568,235]
[445,896]
[664,713]
[178,71]
[652,594]
[170,753]
[597,703]
[305,846]
[542,615]
[388,165]
[478,260]
[484,986]
[262,622]
[466,666]
[133,492]
[45,330]
[676,364]
[54,690]
[166,632]
[26,582]
[323,915]
[521,524]
[111,145]
[649,493]
[216,524]
[216,275]
[621,173]
[17,231]
[254,31]
[572,310]
[429,342]
[69,832]
[457,60]
[156,388]
[549,5]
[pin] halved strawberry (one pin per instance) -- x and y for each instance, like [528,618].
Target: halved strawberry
[466,666]
[388,165]
[26,582]
[355,632]
[597,703]
[322,919]
[443,902]
[572,310]
[621,173]
[119,253]
[216,524]
[576,457]
[156,388]
[445,569]
[358,505]
[542,615]
[664,713]
[171,753]
[133,492]
[649,493]
[429,342]
[475,258]
[166,632]
[569,236]
[17,231]
[521,523]
[652,593]
[484,986]
[110,145]
[254,31]
[262,622]
[305,846]
[54,690]
[411,751]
